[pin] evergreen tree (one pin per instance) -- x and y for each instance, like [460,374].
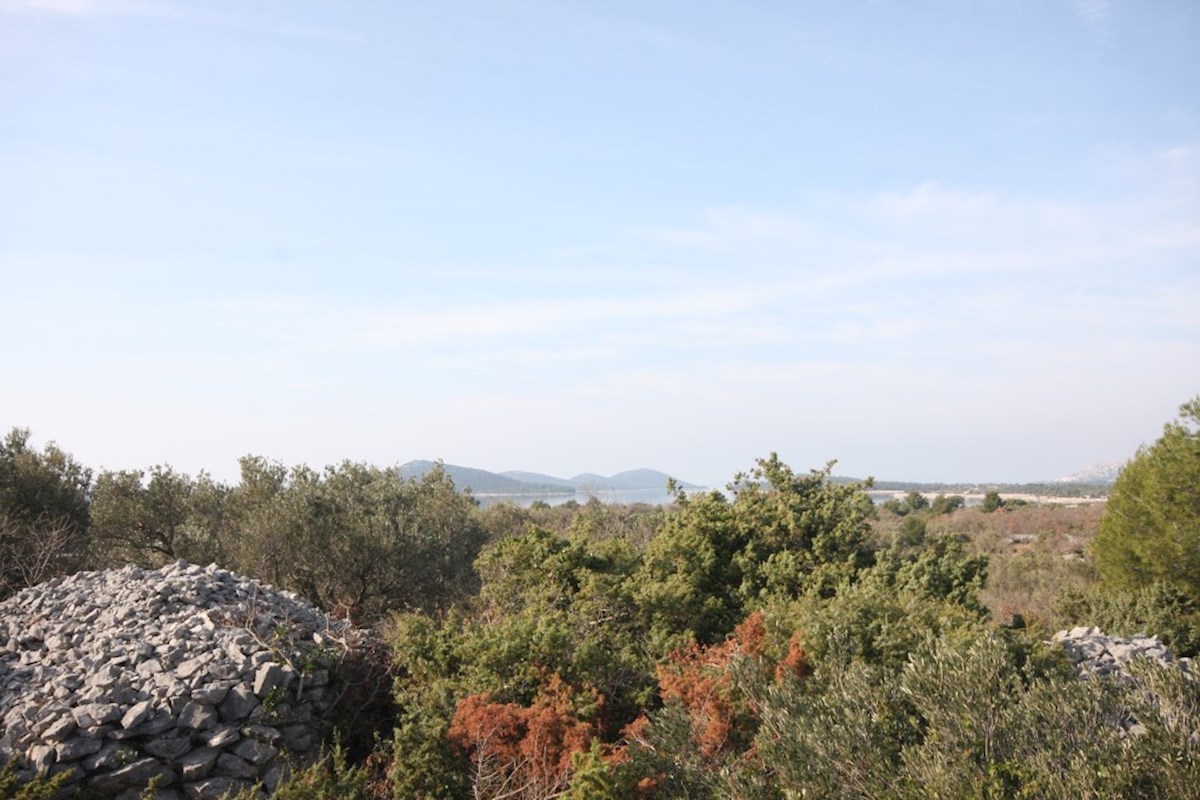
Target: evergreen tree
[1151,527]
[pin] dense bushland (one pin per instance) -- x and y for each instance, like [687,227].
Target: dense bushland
[783,638]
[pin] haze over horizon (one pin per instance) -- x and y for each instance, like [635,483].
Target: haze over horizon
[935,241]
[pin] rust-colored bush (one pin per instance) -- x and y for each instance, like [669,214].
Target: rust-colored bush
[520,752]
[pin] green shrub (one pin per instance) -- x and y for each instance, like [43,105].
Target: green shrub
[40,788]
[328,778]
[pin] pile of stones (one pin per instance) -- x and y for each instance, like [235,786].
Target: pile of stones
[1095,653]
[202,680]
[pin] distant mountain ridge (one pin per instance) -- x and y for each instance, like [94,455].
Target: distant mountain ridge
[480,481]
[517,482]
[629,479]
[536,477]
[1102,474]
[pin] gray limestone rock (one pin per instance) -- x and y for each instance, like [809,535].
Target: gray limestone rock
[139,773]
[77,748]
[234,766]
[222,735]
[262,733]
[267,677]
[61,729]
[197,716]
[211,694]
[299,738]
[168,747]
[157,794]
[214,788]
[254,751]
[198,764]
[108,757]
[42,757]
[191,666]
[137,714]
[238,704]
[159,723]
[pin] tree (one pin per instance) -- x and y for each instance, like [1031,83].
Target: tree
[1151,526]
[947,505]
[783,534]
[44,512]
[912,532]
[991,502]
[36,486]
[354,537]
[153,520]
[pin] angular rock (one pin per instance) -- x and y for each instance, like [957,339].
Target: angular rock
[190,667]
[110,755]
[157,794]
[237,705]
[213,788]
[267,678]
[198,764]
[262,733]
[254,751]
[168,748]
[233,766]
[42,757]
[77,748]
[222,735]
[137,714]
[137,774]
[197,717]
[159,723]
[300,738]
[61,729]
[276,773]
[210,694]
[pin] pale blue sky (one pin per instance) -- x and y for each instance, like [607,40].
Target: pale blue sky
[953,240]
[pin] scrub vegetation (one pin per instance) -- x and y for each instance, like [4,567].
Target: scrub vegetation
[783,638]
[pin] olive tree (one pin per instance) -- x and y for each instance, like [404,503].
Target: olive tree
[44,512]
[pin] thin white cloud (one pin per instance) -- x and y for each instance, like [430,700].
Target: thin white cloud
[929,199]
[618,34]
[728,227]
[75,8]
[324,326]
[177,13]
[1094,14]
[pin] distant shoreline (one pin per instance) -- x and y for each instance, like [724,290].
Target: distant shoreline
[976,498]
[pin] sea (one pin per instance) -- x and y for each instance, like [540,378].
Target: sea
[654,497]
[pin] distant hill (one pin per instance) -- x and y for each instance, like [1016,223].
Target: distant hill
[630,479]
[516,482]
[481,481]
[536,477]
[1100,474]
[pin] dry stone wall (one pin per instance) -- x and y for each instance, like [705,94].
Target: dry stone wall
[1098,655]
[1093,652]
[202,679]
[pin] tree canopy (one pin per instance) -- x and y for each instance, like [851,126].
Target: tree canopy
[1151,528]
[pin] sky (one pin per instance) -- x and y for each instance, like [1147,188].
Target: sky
[935,240]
